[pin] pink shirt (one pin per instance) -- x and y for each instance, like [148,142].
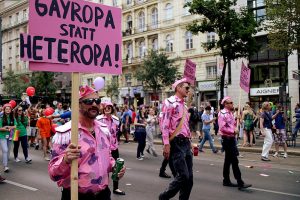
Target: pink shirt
[112,123]
[94,163]
[227,123]
[172,112]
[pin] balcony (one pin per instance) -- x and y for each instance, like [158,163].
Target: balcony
[127,32]
[14,24]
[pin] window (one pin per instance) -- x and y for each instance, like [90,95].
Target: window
[154,18]
[101,1]
[10,20]
[24,14]
[186,9]
[128,79]
[211,70]
[259,9]
[17,17]
[129,2]
[129,24]
[188,40]
[169,44]
[141,21]
[169,11]
[10,53]
[90,81]
[17,50]
[129,50]
[18,66]
[155,44]
[142,49]
[115,2]
[115,79]
[10,67]
[211,37]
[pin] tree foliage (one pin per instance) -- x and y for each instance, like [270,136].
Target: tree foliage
[15,84]
[235,29]
[112,89]
[157,71]
[44,83]
[283,25]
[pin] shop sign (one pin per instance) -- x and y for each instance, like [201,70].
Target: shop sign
[264,91]
[207,86]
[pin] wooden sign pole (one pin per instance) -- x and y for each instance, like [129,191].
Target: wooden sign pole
[239,109]
[74,131]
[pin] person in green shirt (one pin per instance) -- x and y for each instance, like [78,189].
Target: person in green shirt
[21,125]
[7,124]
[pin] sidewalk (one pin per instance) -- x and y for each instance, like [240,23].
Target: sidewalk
[254,149]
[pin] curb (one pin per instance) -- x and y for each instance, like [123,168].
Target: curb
[291,150]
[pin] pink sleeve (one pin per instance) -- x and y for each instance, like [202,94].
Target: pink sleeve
[57,168]
[166,118]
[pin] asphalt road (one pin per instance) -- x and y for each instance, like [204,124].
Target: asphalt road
[275,180]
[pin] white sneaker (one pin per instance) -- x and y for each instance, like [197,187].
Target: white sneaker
[47,158]
[285,155]
[17,160]
[140,158]
[28,160]
[275,154]
[6,169]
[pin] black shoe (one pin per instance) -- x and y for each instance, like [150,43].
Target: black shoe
[229,184]
[164,175]
[148,151]
[37,147]
[265,159]
[119,192]
[161,197]
[244,186]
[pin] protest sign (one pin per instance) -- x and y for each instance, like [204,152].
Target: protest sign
[245,78]
[72,36]
[190,71]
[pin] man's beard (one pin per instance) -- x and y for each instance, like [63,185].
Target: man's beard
[87,113]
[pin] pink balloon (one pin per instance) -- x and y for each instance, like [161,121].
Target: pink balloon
[13,103]
[99,83]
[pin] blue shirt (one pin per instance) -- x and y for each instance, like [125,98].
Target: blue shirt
[125,114]
[267,119]
[279,121]
[205,117]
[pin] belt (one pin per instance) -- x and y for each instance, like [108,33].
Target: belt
[227,137]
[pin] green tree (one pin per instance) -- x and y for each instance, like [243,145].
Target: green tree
[44,84]
[112,89]
[15,84]
[157,71]
[235,30]
[283,25]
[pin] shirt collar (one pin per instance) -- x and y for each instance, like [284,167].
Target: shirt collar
[178,99]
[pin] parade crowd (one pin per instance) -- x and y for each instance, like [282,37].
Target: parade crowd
[40,127]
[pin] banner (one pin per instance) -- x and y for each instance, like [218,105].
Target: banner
[245,78]
[190,71]
[73,36]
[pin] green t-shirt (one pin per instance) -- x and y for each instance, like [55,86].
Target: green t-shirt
[22,126]
[5,134]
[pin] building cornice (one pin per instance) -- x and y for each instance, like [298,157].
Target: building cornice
[12,7]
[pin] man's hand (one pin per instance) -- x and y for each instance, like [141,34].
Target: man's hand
[122,172]
[72,153]
[166,151]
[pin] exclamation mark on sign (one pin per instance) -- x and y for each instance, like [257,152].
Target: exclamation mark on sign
[116,55]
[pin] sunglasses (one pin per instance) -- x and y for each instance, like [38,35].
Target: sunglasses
[91,101]
[20,110]
[229,102]
[187,87]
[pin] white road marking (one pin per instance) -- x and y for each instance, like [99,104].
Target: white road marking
[21,185]
[275,192]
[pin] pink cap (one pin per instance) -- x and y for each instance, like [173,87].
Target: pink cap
[85,90]
[184,80]
[7,105]
[225,99]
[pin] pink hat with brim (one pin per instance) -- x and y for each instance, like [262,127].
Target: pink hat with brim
[225,99]
[7,105]
[184,80]
[85,91]
[108,104]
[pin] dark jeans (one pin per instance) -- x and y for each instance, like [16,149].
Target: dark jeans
[141,139]
[115,155]
[164,166]
[297,127]
[181,158]
[24,144]
[103,195]
[231,153]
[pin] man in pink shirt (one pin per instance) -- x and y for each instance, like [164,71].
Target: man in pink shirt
[228,130]
[178,150]
[93,152]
